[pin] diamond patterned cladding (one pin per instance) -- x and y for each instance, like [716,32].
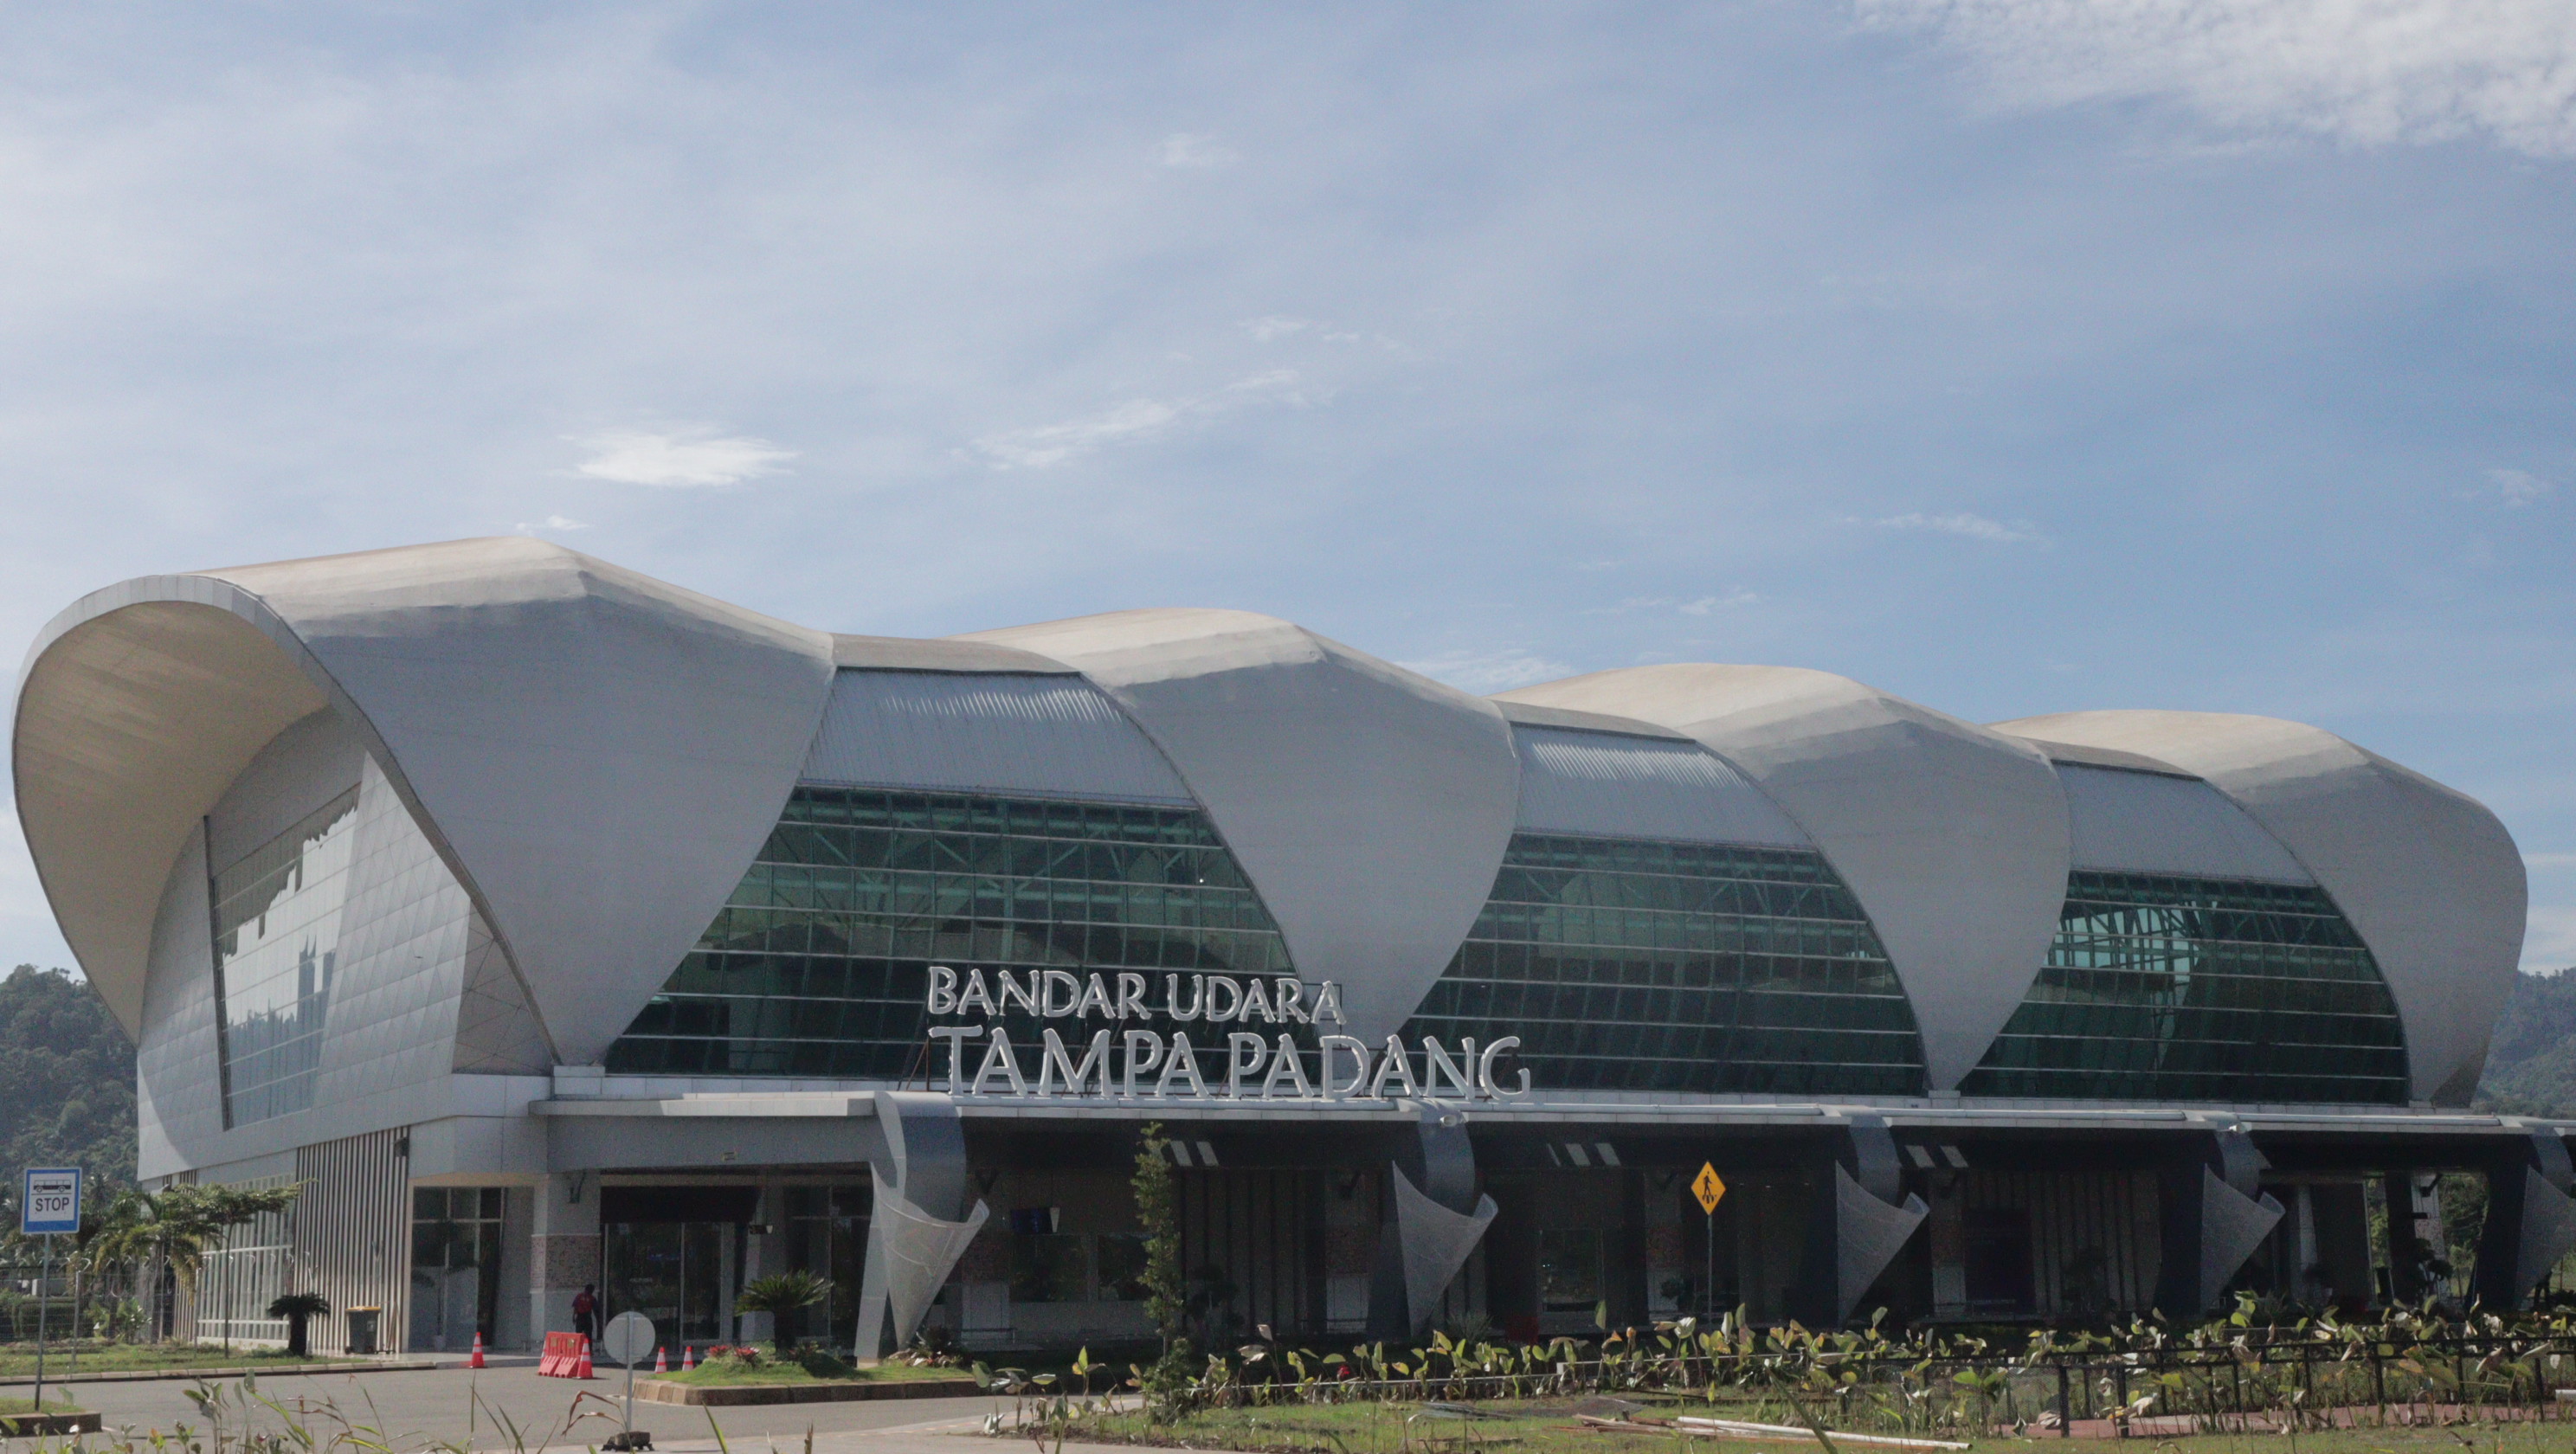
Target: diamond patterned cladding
[1636,965]
[2164,987]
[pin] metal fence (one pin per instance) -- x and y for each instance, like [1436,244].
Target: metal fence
[2258,1382]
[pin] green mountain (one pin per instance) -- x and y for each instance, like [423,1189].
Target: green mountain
[66,1080]
[2531,1064]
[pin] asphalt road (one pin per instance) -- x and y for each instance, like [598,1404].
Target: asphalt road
[476,1409]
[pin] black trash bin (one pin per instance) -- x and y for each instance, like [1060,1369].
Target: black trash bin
[362,1328]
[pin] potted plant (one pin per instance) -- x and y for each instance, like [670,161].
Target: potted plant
[298,1309]
[778,1295]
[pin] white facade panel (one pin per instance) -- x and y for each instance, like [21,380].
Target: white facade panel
[2429,878]
[1953,838]
[310,763]
[596,754]
[395,988]
[179,1087]
[1368,805]
[1031,736]
[2137,822]
[1610,786]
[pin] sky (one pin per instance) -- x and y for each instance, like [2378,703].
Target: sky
[2012,356]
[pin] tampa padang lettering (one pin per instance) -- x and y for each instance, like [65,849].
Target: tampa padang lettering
[1148,1063]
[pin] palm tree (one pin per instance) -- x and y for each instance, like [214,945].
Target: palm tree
[779,1294]
[297,1308]
[178,1226]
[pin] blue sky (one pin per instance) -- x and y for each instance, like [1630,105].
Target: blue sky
[2015,356]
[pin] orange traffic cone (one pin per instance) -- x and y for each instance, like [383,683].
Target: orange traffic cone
[477,1360]
[581,1365]
[661,1364]
[688,1356]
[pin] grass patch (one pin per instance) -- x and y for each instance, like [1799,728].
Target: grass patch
[52,1406]
[19,1359]
[1550,1427]
[724,1372]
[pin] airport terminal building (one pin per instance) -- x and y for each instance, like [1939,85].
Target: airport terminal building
[554,925]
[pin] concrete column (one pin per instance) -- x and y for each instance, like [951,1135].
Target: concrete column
[1856,1224]
[1435,1217]
[563,1249]
[2413,1236]
[2531,1219]
[1949,1236]
[2215,1215]
[2342,1224]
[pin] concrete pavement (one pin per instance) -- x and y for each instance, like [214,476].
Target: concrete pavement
[479,1409]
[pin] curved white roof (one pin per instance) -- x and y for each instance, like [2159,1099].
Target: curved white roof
[2428,877]
[1370,806]
[1613,785]
[595,756]
[2148,822]
[1954,838]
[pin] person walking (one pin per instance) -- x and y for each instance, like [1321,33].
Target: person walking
[585,1311]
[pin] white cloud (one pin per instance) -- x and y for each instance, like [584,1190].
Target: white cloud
[2365,72]
[1974,527]
[1706,605]
[551,522]
[2517,488]
[686,458]
[1263,330]
[1198,153]
[2549,938]
[1489,671]
[1137,420]
[1695,606]
[2549,860]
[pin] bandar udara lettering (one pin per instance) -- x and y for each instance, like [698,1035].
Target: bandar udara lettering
[1139,1062]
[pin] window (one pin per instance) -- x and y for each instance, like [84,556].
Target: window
[1569,1270]
[1075,1267]
[277,944]
[1638,965]
[818,964]
[455,1265]
[2163,987]
[827,1235]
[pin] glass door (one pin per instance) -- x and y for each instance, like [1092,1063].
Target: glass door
[679,1274]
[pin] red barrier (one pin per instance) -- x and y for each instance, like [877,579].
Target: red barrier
[563,1356]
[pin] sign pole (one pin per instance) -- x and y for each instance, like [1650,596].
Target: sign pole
[49,1203]
[44,1306]
[1707,1188]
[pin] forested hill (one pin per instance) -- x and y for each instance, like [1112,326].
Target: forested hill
[2531,1065]
[66,1079]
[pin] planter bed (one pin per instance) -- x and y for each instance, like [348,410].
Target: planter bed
[264,1370]
[69,1421]
[835,1390]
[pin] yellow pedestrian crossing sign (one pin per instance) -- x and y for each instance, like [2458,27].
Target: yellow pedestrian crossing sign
[1708,1186]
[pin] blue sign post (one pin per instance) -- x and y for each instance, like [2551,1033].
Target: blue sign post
[49,1204]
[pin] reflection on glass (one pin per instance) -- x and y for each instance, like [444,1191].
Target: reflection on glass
[455,1265]
[277,942]
[1049,1268]
[1569,1269]
[1628,964]
[2161,987]
[828,1236]
[818,964]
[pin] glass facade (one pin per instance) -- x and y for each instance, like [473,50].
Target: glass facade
[819,964]
[2172,988]
[277,945]
[1634,965]
[455,1265]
